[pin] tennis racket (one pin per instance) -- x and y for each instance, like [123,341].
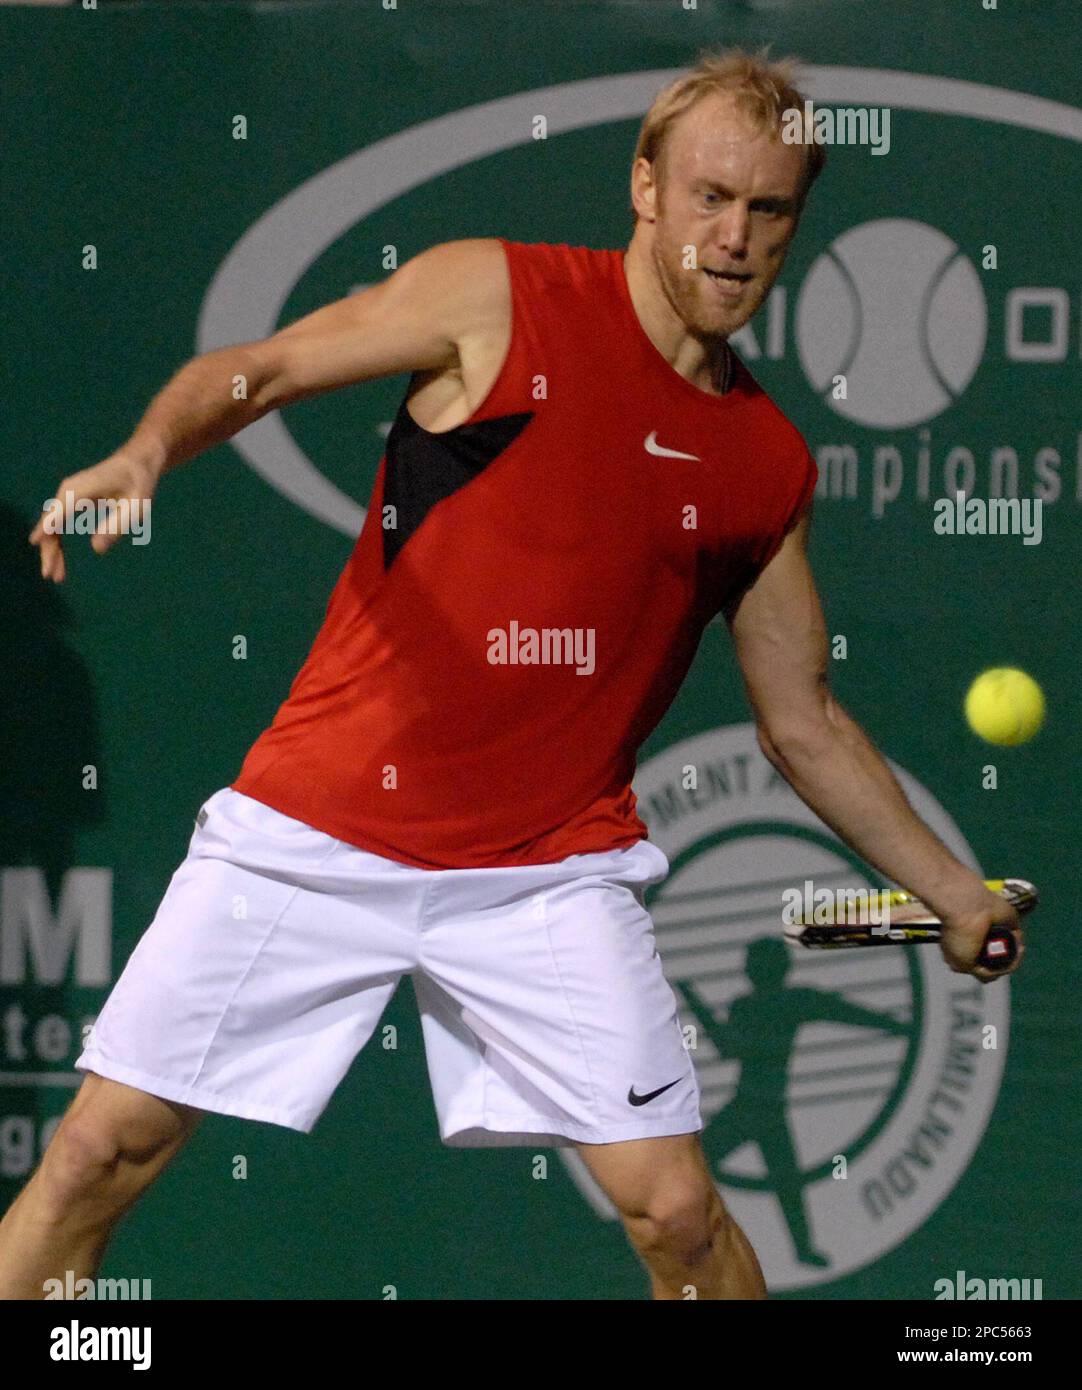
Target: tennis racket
[903,920]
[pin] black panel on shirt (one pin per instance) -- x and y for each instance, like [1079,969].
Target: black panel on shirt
[423,468]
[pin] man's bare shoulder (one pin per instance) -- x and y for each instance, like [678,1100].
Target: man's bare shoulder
[482,254]
[467,283]
[463,289]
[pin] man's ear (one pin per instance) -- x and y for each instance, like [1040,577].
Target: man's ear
[645,189]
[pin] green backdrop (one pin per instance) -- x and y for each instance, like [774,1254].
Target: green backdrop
[120,135]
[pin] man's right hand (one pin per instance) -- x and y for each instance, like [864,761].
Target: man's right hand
[120,476]
[965,930]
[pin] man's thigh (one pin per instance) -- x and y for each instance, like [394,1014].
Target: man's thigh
[546,1008]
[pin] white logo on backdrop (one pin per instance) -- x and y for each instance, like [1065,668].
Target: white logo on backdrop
[895,308]
[805,1057]
[245,298]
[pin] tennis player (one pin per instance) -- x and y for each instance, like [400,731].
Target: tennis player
[581,475]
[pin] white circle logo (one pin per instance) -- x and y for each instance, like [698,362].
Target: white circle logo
[844,1092]
[245,298]
[898,310]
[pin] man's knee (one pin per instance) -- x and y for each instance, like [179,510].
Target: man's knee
[109,1145]
[77,1163]
[683,1218]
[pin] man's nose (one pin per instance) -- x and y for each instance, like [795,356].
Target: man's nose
[732,228]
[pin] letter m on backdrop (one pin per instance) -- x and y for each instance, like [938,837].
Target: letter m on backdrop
[39,945]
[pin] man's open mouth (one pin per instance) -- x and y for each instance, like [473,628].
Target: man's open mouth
[733,276]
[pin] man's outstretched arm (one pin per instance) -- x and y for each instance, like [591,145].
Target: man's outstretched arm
[781,643]
[427,316]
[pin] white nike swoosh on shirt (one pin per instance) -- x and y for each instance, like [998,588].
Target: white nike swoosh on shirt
[653,447]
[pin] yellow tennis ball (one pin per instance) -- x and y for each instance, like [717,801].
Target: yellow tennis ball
[1005,706]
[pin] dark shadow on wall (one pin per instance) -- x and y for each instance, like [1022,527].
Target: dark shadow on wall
[49,731]
[49,727]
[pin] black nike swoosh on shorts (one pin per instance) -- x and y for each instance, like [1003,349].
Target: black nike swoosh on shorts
[633,1099]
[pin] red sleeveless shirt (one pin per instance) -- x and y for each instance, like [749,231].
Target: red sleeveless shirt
[529,589]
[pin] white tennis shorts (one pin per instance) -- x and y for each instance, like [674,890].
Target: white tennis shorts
[545,1012]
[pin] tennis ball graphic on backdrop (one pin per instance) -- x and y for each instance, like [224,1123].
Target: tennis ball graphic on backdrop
[1005,706]
[899,311]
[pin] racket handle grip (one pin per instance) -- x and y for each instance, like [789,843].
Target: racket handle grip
[999,950]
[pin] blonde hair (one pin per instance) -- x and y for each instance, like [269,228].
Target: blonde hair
[763,90]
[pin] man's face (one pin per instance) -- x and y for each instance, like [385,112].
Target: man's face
[733,195]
